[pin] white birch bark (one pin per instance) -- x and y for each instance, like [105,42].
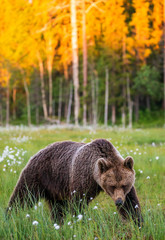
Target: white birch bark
[75,60]
[130,104]
[84,63]
[106,97]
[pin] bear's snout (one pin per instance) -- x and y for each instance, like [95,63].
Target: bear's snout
[119,202]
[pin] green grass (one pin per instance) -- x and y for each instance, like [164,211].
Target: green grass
[148,150]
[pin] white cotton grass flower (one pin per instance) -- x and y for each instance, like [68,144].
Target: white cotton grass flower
[79,217]
[95,207]
[56,226]
[148,177]
[35,223]
[27,216]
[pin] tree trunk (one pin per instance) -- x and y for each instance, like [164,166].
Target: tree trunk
[60,100]
[49,66]
[14,103]
[75,60]
[97,95]
[84,63]
[113,114]
[106,96]
[123,109]
[137,107]
[130,104]
[27,101]
[69,104]
[148,103]
[43,95]
[37,100]
[1,117]
[7,102]
[93,98]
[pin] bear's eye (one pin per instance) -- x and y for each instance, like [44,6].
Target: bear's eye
[124,187]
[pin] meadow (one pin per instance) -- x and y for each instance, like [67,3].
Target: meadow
[100,220]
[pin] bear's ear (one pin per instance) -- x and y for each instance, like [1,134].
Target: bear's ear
[103,165]
[128,162]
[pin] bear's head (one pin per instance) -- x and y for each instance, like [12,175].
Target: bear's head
[115,179]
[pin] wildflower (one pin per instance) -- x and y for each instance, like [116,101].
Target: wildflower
[69,223]
[79,217]
[114,213]
[89,219]
[134,153]
[157,157]
[148,177]
[27,216]
[4,169]
[40,204]
[140,153]
[35,223]
[158,204]
[95,207]
[74,236]
[14,171]
[56,226]
[136,206]
[35,207]
[139,227]
[149,210]
[91,198]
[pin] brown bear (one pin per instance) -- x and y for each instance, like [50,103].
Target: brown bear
[67,169]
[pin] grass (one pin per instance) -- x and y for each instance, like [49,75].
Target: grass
[148,150]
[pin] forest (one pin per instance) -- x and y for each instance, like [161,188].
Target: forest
[84,62]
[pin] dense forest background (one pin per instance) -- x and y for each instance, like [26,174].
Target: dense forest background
[85,62]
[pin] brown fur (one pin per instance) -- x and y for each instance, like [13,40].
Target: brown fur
[62,168]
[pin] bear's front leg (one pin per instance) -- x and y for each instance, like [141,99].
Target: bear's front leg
[131,207]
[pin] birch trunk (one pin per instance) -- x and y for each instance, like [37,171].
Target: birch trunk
[1,117]
[106,97]
[43,95]
[137,107]
[75,60]
[14,103]
[50,88]
[7,102]
[130,104]
[50,54]
[84,63]
[113,114]
[93,99]
[27,101]
[60,101]
[69,104]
